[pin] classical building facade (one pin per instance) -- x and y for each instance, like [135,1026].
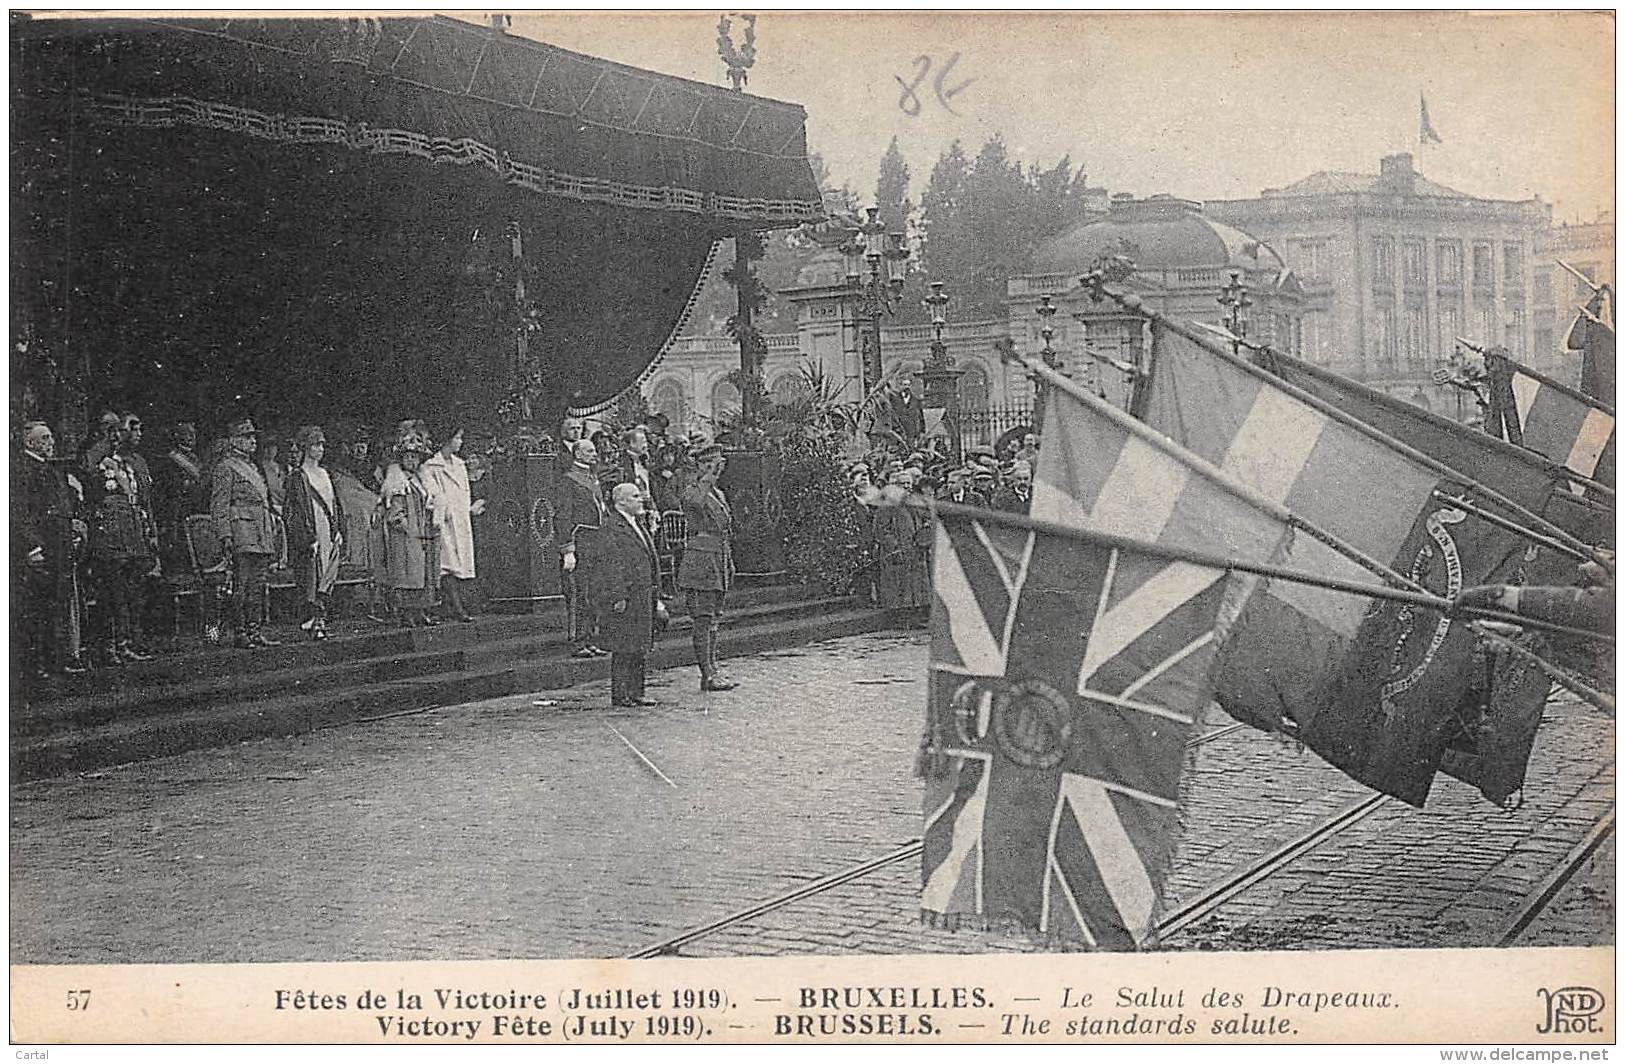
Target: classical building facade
[1589,248]
[1396,266]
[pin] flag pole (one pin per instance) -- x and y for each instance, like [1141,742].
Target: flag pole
[1207,560]
[1550,382]
[1202,466]
[1096,284]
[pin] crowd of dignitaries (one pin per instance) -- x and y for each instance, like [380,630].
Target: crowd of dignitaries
[609,509]
[95,537]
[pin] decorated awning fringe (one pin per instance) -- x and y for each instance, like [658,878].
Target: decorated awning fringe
[171,111]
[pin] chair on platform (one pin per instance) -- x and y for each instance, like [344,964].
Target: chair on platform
[211,564]
[669,547]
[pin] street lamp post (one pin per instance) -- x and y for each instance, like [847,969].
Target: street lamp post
[1234,298]
[871,248]
[1046,328]
[939,374]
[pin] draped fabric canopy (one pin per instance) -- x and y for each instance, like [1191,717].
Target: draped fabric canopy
[319,215]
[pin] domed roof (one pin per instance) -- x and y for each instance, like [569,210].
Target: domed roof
[1158,233]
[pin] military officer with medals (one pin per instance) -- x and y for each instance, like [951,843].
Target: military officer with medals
[240,503]
[707,569]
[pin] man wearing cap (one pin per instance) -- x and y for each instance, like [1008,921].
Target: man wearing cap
[240,504]
[958,489]
[707,569]
[578,514]
[624,588]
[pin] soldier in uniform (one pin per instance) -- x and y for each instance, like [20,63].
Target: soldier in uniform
[707,570]
[240,504]
[578,514]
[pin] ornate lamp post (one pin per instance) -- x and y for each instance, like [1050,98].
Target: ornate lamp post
[1234,298]
[1052,358]
[940,376]
[871,248]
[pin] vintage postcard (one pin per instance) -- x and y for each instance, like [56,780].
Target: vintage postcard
[899,527]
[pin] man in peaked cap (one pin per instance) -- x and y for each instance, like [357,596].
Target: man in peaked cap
[240,503]
[707,569]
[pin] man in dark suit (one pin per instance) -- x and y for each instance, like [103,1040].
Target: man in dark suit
[626,590]
[707,569]
[958,489]
[1016,496]
[44,531]
[578,513]
[908,415]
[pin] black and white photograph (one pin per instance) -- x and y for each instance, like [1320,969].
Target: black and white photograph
[982,492]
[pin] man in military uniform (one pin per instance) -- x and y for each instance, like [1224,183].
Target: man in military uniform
[707,568]
[240,504]
[578,514]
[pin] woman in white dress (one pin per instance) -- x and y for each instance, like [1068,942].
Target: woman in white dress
[445,475]
[314,513]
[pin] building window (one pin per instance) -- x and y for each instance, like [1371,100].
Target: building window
[1486,325]
[724,398]
[1449,262]
[1484,266]
[1416,264]
[1415,338]
[1512,264]
[1514,332]
[1313,259]
[1449,326]
[1311,337]
[667,398]
[1543,284]
[1382,262]
[1386,341]
[1581,289]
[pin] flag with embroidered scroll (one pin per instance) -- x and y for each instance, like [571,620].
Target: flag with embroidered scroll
[1065,677]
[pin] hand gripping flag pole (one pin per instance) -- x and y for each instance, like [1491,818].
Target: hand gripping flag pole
[1095,283]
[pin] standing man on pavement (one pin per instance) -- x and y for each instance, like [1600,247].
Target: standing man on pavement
[626,590]
[707,570]
[44,534]
[240,504]
[578,515]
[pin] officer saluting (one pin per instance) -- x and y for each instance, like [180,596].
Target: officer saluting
[707,570]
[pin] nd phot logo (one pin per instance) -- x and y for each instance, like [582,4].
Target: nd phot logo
[1571,1010]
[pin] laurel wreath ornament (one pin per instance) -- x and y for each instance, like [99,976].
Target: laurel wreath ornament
[738,59]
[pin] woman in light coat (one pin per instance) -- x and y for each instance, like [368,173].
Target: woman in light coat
[410,540]
[445,475]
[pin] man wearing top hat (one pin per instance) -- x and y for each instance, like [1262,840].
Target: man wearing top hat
[707,569]
[578,514]
[240,504]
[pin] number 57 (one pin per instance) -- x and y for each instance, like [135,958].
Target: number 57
[78,1000]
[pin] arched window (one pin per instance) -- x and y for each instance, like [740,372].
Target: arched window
[667,398]
[973,387]
[788,387]
[724,398]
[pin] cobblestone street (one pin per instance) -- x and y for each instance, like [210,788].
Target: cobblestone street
[526,827]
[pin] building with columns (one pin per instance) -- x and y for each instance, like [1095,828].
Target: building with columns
[1557,294]
[1396,266]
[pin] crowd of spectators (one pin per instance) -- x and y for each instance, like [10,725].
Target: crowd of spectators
[898,538]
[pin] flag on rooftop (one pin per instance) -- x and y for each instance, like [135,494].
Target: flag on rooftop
[1428,134]
[1065,679]
[1505,702]
[1373,690]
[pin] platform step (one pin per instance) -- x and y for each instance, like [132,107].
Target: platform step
[78,747]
